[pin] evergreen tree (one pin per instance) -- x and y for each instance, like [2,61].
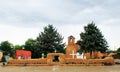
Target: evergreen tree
[50,40]
[92,39]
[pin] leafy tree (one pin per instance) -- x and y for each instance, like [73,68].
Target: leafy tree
[92,39]
[50,40]
[18,47]
[31,45]
[7,47]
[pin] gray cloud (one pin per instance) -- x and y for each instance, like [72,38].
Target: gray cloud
[32,12]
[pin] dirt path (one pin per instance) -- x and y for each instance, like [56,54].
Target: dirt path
[114,68]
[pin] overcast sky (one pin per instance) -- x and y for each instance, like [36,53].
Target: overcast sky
[23,19]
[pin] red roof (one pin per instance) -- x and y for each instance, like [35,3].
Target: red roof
[23,53]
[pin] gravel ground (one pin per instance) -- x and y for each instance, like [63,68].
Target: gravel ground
[113,68]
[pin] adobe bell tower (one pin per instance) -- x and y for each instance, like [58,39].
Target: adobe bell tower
[71,48]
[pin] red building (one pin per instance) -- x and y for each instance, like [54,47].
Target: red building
[23,54]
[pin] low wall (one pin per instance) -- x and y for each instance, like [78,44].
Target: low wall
[27,62]
[84,62]
[67,61]
[89,62]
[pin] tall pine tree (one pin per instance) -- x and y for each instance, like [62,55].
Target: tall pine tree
[92,39]
[50,40]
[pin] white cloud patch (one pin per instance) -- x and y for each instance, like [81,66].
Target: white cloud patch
[17,35]
[110,29]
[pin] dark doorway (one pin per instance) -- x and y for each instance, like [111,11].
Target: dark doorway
[56,60]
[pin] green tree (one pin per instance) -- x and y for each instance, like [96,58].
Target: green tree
[18,47]
[118,50]
[92,39]
[50,40]
[7,47]
[31,45]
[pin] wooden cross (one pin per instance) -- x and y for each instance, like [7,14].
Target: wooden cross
[73,54]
